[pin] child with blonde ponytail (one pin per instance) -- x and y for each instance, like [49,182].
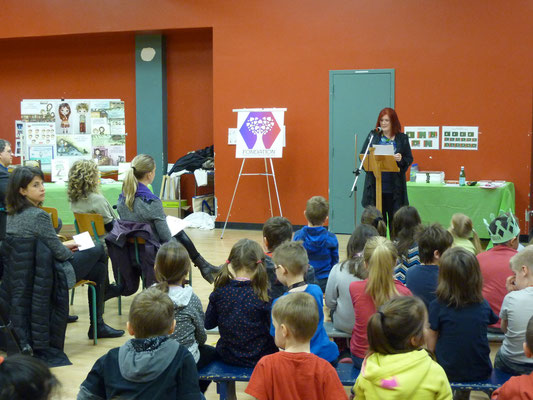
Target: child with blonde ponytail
[172,266]
[380,258]
[240,306]
[138,203]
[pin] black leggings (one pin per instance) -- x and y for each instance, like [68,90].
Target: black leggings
[91,264]
[207,355]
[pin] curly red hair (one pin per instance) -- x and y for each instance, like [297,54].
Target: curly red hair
[394,121]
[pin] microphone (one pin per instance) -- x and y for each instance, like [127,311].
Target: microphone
[377,130]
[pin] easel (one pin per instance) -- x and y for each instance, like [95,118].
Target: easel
[378,164]
[266,174]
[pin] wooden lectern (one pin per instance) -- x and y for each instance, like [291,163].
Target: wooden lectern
[377,165]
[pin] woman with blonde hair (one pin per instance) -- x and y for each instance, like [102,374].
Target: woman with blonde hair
[137,203]
[464,235]
[84,192]
[368,295]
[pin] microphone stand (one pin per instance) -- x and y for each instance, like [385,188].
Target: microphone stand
[357,172]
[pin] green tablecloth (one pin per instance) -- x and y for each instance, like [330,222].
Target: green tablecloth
[56,196]
[437,203]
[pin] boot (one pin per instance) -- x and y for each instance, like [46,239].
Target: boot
[207,270]
[111,291]
[102,329]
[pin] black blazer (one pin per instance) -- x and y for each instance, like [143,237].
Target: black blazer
[399,181]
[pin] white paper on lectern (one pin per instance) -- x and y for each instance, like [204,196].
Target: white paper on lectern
[383,150]
[176,224]
[84,241]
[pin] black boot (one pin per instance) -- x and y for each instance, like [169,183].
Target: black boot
[111,291]
[207,270]
[102,329]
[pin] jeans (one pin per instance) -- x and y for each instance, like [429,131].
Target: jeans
[357,361]
[511,367]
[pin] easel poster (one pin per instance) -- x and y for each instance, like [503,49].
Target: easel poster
[260,133]
[423,137]
[460,137]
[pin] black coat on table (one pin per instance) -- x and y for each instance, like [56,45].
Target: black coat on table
[399,181]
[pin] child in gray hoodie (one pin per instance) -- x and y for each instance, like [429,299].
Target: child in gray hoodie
[172,265]
[151,366]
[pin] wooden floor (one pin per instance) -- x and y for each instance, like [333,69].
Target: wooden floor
[83,354]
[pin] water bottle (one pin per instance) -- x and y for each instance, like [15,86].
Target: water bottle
[412,174]
[462,177]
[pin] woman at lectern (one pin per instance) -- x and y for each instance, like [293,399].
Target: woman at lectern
[394,186]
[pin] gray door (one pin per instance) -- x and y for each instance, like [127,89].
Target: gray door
[355,100]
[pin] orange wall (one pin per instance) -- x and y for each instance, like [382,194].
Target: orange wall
[71,67]
[456,62]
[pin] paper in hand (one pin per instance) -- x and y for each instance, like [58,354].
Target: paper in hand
[383,150]
[84,241]
[176,225]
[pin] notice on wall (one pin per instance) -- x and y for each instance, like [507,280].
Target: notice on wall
[423,137]
[261,133]
[460,137]
[73,129]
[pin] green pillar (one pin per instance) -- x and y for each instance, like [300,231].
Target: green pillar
[151,101]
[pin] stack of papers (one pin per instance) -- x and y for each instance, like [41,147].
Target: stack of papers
[491,184]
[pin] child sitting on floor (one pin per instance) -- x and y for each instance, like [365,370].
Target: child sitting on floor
[151,366]
[321,245]
[291,261]
[372,216]
[23,377]
[295,373]
[380,257]
[517,309]
[240,306]
[422,279]
[519,387]
[277,230]
[405,225]
[464,235]
[397,366]
[352,269]
[172,264]
[458,319]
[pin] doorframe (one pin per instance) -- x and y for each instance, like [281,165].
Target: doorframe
[332,73]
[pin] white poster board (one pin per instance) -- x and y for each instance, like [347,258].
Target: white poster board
[423,137]
[460,137]
[261,133]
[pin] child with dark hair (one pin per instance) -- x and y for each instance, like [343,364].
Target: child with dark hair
[398,366]
[240,306]
[151,366]
[321,245]
[494,263]
[23,377]
[281,375]
[458,319]
[517,309]
[519,387]
[422,279]
[372,216]
[352,269]
[405,224]
[172,265]
[277,230]
[291,261]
